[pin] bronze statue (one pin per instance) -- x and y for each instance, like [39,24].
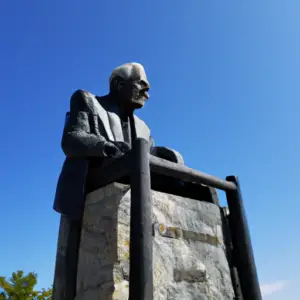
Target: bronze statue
[99,128]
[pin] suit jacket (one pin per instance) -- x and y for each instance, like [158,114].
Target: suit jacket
[91,122]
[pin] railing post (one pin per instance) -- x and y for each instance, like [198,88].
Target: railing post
[242,249]
[141,273]
[71,258]
[229,252]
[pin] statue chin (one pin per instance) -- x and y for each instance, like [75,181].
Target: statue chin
[137,103]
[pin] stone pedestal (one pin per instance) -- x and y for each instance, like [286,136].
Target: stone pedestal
[189,259]
[189,256]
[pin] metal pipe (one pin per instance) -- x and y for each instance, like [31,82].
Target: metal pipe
[71,262]
[109,171]
[242,248]
[141,273]
[229,254]
[174,170]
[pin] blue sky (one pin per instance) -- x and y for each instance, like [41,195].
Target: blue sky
[225,93]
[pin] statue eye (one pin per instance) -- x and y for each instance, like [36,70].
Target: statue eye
[143,83]
[120,85]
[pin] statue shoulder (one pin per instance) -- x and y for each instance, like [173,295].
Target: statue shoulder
[82,97]
[82,94]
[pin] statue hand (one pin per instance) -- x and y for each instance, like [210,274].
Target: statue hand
[111,150]
[123,146]
[116,149]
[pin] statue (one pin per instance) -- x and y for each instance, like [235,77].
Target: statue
[100,128]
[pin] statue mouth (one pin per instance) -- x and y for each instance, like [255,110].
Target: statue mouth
[140,97]
[143,93]
[139,102]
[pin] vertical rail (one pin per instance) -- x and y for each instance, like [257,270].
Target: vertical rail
[72,259]
[243,252]
[141,273]
[229,253]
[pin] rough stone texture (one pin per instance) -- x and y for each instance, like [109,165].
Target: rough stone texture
[189,257]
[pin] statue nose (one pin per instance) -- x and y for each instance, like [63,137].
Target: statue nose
[146,94]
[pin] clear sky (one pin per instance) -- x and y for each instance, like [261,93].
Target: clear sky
[225,92]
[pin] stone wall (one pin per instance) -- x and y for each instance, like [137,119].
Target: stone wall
[189,257]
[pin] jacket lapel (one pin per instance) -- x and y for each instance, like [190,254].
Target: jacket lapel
[103,116]
[109,115]
[115,123]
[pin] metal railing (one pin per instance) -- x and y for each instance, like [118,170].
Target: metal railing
[139,164]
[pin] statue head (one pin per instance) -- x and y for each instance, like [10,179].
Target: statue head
[129,85]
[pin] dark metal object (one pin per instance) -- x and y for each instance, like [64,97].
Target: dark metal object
[242,248]
[72,259]
[137,163]
[117,168]
[236,283]
[229,254]
[109,171]
[165,167]
[141,273]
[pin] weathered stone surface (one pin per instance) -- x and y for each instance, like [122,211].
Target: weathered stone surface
[189,258]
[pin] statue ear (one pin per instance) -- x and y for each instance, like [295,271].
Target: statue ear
[117,84]
[120,85]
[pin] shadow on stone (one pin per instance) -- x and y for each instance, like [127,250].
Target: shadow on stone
[102,246]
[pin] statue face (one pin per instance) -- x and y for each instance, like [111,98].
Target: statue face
[130,84]
[134,93]
[138,93]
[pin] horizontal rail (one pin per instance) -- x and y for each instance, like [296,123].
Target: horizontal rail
[115,169]
[162,166]
[108,172]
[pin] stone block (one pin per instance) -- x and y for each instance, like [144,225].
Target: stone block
[189,255]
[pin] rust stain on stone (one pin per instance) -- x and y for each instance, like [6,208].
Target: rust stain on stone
[162,228]
[178,233]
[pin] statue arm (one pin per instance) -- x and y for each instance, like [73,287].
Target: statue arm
[165,153]
[78,139]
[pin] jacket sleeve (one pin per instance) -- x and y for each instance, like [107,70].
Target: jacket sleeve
[78,139]
[165,153]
